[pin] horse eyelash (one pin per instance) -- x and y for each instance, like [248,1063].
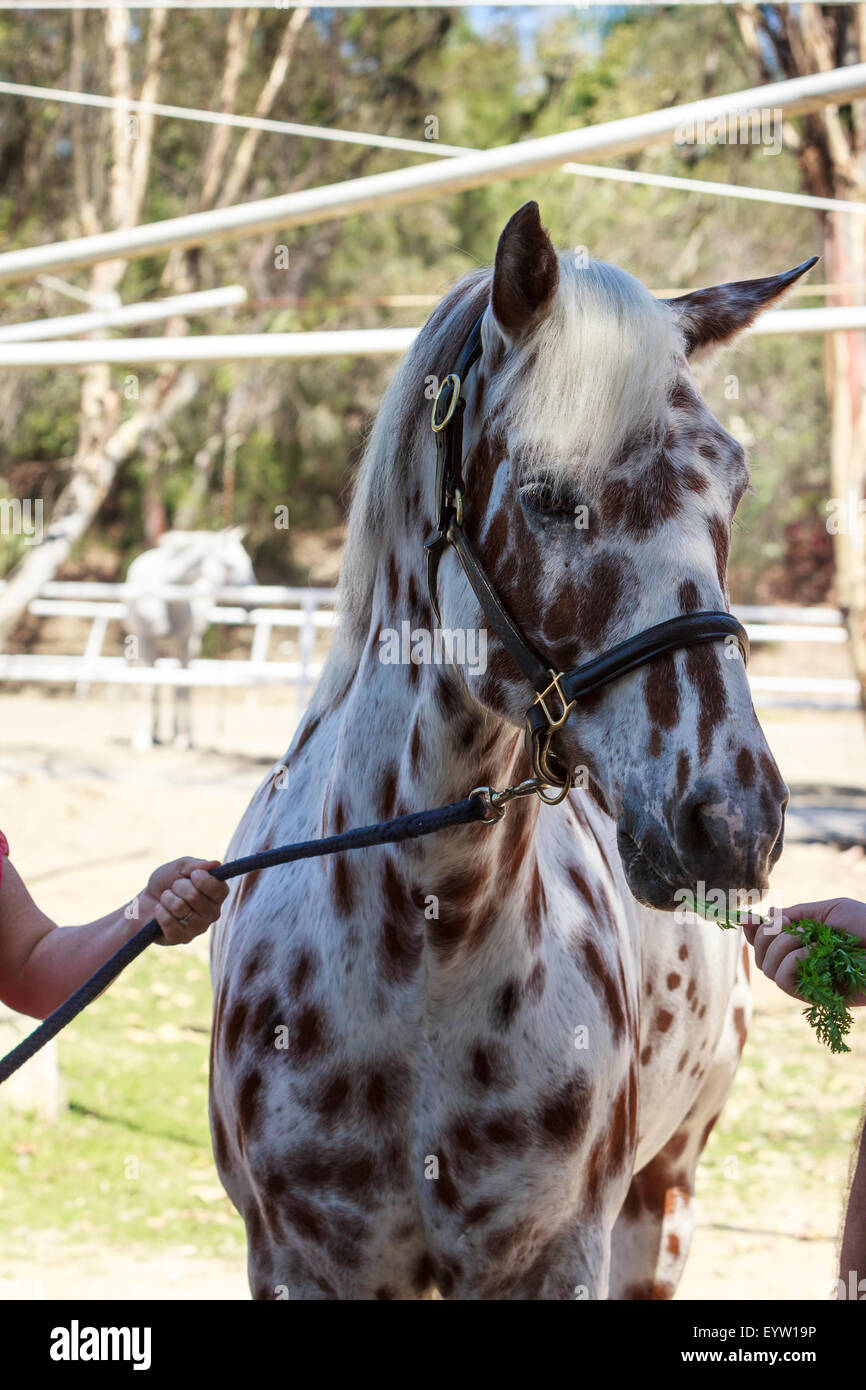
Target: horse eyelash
[564,503]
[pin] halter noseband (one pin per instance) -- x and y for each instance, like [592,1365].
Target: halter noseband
[556,692]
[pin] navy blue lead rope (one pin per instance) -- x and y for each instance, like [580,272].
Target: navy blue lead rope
[471,808]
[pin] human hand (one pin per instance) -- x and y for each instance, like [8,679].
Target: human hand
[778,954]
[185,898]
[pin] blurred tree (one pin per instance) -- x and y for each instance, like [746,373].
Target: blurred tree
[245,438]
[830,148]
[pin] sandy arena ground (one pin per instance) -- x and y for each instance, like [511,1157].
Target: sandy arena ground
[88,819]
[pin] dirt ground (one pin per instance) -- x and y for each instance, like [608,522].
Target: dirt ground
[87,819]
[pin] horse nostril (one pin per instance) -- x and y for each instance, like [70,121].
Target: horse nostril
[693,825]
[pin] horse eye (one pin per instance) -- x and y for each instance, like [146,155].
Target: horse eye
[549,499]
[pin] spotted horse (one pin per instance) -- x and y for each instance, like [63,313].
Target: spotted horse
[484,1065]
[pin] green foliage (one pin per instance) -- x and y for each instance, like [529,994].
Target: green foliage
[833,972]
[488,79]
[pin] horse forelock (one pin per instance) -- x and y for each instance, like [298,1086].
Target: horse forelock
[595,373]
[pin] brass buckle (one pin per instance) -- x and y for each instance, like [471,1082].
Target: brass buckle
[496,801]
[566,707]
[452,380]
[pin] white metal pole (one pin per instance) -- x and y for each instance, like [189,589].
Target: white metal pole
[429,148]
[65,97]
[226,347]
[437,178]
[236,347]
[39,330]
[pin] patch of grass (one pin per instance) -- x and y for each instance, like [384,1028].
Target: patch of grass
[130,1160]
[777,1159]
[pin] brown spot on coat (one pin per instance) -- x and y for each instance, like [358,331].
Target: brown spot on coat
[235,1027]
[424,1273]
[479,1212]
[600,974]
[740,1025]
[333,1096]
[644,502]
[220,1142]
[402,938]
[343,884]
[482,1066]
[581,883]
[720,537]
[301,973]
[683,769]
[388,795]
[248,1101]
[564,1115]
[308,1035]
[689,598]
[745,767]
[662,693]
[506,1002]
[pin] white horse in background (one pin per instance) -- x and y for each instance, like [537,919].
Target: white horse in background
[206,561]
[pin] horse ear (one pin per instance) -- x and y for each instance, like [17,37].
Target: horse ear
[525,273]
[709,319]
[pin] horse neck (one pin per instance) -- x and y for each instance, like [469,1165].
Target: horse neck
[406,738]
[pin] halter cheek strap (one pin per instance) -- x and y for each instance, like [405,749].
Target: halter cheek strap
[447,425]
[557,692]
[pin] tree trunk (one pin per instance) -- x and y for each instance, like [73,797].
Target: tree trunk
[785,41]
[845,249]
[102,447]
[104,444]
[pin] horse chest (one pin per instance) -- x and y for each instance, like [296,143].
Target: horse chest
[421,1097]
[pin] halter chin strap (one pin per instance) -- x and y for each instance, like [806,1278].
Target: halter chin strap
[556,692]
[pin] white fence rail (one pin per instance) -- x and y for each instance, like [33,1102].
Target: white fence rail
[309,611]
[437,178]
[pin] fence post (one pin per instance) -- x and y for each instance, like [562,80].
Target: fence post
[37,1089]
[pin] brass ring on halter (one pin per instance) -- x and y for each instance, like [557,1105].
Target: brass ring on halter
[554,800]
[546,774]
[452,380]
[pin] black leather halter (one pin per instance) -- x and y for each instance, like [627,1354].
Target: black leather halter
[557,692]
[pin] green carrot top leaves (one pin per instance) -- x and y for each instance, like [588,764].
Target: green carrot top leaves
[831,974]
